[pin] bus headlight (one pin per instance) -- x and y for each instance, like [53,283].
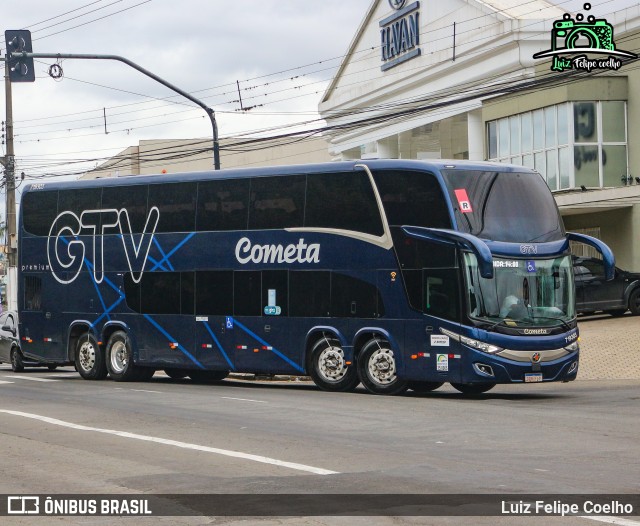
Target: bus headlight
[476,344]
[573,347]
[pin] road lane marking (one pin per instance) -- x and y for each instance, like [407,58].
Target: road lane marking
[32,378]
[244,399]
[175,443]
[5,382]
[611,520]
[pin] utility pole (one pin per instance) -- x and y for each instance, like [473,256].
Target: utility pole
[210,112]
[8,161]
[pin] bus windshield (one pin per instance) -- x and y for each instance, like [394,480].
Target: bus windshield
[504,206]
[522,293]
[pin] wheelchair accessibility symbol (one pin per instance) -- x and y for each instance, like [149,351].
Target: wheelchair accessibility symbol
[229,322]
[531,266]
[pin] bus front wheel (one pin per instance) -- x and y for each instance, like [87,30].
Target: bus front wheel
[328,368]
[473,389]
[120,358]
[377,369]
[89,358]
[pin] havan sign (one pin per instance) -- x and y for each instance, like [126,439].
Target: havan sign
[400,34]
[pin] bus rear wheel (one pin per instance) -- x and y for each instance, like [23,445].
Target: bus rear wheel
[424,387]
[328,368]
[377,369]
[89,358]
[120,358]
[473,389]
[208,376]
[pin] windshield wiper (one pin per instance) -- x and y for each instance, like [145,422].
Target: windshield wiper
[566,325]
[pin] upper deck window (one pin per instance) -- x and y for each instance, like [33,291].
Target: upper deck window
[412,198]
[505,206]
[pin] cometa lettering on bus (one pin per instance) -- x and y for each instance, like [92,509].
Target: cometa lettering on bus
[293,253]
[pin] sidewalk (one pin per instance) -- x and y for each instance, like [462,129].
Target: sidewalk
[609,348]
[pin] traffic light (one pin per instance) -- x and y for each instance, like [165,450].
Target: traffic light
[20,68]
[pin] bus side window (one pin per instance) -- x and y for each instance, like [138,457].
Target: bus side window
[277,202]
[309,293]
[32,293]
[223,205]
[176,203]
[39,210]
[344,201]
[441,295]
[133,199]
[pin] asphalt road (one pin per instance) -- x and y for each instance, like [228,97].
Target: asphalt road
[62,434]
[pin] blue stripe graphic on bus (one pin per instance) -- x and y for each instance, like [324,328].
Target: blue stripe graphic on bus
[173,251]
[164,256]
[217,342]
[173,340]
[271,348]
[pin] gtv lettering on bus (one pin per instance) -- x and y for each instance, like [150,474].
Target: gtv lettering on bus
[66,253]
[293,253]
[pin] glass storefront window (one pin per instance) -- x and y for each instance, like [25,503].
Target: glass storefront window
[493,140]
[564,167]
[526,132]
[550,126]
[552,169]
[514,134]
[614,164]
[613,122]
[586,164]
[585,122]
[540,164]
[573,144]
[538,130]
[503,137]
[563,124]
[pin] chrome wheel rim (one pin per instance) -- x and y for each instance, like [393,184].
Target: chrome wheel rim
[119,357]
[87,356]
[382,367]
[331,364]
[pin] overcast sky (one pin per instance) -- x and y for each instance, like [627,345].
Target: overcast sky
[202,46]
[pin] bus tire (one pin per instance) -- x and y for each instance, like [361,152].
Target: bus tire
[17,366]
[377,369]
[473,389]
[634,302]
[89,358]
[328,369]
[208,376]
[176,374]
[120,358]
[424,387]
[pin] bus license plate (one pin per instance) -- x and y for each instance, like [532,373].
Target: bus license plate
[532,377]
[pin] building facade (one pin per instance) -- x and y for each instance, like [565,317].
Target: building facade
[458,80]
[192,155]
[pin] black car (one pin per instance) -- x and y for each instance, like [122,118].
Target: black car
[594,293]
[10,344]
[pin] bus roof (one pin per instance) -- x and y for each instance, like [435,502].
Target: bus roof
[339,166]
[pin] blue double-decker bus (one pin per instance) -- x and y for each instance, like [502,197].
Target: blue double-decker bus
[394,274]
